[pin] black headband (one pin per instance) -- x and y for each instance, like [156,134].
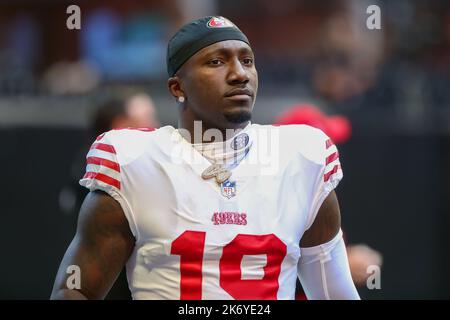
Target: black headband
[196,35]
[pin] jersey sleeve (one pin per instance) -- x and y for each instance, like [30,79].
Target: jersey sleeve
[102,167]
[104,173]
[326,154]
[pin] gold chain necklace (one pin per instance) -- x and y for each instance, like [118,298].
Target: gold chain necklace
[218,171]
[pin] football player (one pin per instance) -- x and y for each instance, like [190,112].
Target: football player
[218,208]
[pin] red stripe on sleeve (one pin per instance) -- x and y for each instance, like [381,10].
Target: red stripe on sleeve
[332,157]
[328,175]
[329,143]
[103,178]
[103,162]
[104,147]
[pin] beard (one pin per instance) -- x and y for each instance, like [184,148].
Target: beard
[238,117]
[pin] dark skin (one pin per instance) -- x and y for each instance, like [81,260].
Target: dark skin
[103,242]
[207,80]
[101,247]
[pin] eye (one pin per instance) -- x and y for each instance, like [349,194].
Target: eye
[247,61]
[215,62]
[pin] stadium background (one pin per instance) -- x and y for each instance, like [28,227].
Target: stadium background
[393,84]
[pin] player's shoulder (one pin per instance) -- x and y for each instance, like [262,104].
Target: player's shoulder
[303,131]
[118,136]
[128,143]
[294,139]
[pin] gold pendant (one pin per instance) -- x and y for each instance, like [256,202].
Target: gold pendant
[216,170]
[211,171]
[223,176]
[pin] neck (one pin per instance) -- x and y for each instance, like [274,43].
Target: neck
[195,130]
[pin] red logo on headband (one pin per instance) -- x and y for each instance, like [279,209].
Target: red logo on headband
[219,22]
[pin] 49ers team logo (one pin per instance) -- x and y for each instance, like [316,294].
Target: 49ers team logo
[219,22]
[238,218]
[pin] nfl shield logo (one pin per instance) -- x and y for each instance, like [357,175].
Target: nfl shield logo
[228,189]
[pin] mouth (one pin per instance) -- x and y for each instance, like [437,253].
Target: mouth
[239,94]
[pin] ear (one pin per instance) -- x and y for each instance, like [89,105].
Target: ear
[174,85]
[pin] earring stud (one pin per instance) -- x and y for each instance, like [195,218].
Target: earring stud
[181,99]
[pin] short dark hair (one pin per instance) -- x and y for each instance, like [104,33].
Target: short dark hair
[106,113]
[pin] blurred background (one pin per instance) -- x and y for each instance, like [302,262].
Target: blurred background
[385,93]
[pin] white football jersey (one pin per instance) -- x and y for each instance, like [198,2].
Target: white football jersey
[196,239]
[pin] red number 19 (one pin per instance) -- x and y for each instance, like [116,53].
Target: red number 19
[190,246]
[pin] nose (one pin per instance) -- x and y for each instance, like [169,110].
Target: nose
[237,73]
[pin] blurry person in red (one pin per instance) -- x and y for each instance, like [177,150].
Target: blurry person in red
[339,129]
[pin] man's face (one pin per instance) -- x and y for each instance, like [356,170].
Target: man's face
[220,83]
